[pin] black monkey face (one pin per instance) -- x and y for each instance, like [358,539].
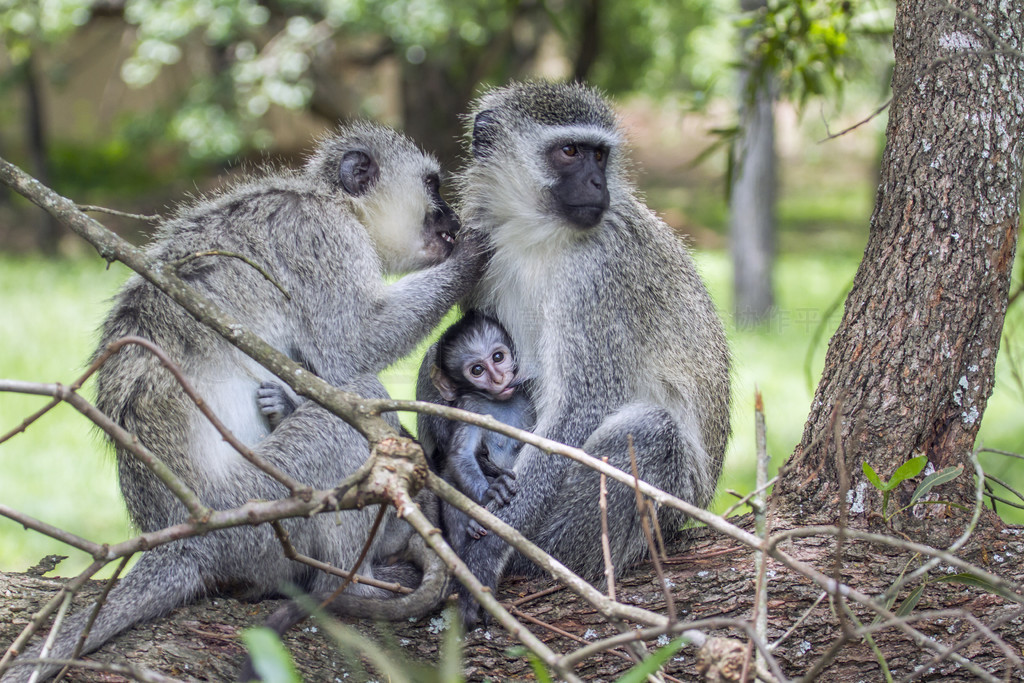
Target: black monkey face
[580,191]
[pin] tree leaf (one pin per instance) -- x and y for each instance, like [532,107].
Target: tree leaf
[907,470]
[971,580]
[642,670]
[270,657]
[539,669]
[935,479]
[910,603]
[869,472]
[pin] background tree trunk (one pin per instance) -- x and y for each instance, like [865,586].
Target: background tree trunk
[48,230]
[752,196]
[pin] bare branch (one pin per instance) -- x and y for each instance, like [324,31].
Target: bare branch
[124,214]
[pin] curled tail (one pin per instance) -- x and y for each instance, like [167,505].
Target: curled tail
[429,595]
[162,580]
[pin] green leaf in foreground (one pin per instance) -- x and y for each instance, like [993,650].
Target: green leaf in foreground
[971,580]
[869,472]
[911,602]
[935,479]
[908,470]
[641,671]
[270,658]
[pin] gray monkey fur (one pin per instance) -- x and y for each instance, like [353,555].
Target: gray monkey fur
[612,324]
[328,248]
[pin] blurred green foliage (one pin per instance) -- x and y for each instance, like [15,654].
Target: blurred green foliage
[25,24]
[813,48]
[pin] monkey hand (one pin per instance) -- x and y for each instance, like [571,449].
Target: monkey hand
[474,248]
[274,403]
[475,529]
[502,489]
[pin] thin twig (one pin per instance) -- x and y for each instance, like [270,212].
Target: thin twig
[844,512]
[241,257]
[124,214]
[58,621]
[979,504]
[982,630]
[126,670]
[359,560]
[761,526]
[1004,501]
[534,596]
[121,437]
[43,614]
[857,125]
[803,617]
[519,614]
[606,549]
[999,452]
[1005,486]
[412,514]
[292,554]
[641,510]
[27,422]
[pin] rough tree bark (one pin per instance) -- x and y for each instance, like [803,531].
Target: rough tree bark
[912,364]
[908,372]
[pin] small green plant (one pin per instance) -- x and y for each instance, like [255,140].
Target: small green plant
[909,470]
[270,657]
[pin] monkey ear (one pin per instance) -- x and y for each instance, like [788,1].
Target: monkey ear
[358,172]
[484,133]
[443,383]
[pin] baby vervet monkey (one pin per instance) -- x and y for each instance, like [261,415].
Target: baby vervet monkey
[474,369]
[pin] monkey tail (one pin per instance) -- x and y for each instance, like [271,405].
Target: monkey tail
[429,594]
[163,578]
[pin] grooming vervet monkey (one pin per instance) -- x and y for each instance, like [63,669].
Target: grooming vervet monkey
[473,367]
[367,202]
[612,325]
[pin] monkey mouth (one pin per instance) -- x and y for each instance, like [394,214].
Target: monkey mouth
[507,392]
[447,237]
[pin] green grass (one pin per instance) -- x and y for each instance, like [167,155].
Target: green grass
[60,471]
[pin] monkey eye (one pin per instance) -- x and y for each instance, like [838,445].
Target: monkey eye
[476,370]
[599,154]
[498,356]
[433,184]
[570,150]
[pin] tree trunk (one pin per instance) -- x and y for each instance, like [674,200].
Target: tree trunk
[432,100]
[912,365]
[752,198]
[48,230]
[590,39]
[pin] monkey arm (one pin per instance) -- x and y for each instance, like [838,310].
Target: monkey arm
[463,468]
[410,308]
